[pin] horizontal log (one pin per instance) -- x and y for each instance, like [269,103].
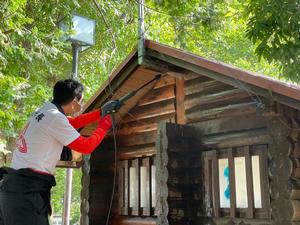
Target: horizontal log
[229,124]
[211,86]
[215,98]
[294,150]
[139,128]
[296,210]
[137,151]
[137,139]
[192,76]
[295,172]
[157,95]
[238,140]
[165,81]
[152,120]
[184,162]
[150,111]
[295,194]
[221,112]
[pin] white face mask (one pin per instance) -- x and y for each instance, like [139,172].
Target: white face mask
[77,105]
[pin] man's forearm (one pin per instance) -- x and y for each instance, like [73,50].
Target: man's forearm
[85,119]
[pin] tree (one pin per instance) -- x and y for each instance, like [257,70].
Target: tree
[274,26]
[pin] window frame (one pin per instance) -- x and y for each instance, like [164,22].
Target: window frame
[211,180]
[124,187]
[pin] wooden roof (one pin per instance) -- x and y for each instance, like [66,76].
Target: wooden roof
[129,75]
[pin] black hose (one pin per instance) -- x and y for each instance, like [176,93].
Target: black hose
[115,169]
[122,100]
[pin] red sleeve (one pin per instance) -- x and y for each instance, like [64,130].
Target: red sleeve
[84,119]
[87,145]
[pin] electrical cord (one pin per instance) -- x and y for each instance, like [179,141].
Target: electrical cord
[115,169]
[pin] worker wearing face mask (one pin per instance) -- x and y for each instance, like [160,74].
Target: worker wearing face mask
[25,187]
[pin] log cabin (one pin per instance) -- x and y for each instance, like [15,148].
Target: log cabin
[207,144]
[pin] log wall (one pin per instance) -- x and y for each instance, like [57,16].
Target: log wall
[224,117]
[179,176]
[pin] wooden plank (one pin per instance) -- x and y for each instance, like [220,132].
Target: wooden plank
[138,128]
[157,95]
[294,150]
[135,210]
[131,121]
[206,87]
[180,107]
[193,76]
[262,139]
[221,112]
[232,183]
[252,137]
[230,124]
[123,187]
[126,187]
[137,151]
[208,182]
[137,139]
[165,81]
[214,98]
[216,188]
[264,179]
[146,211]
[249,181]
[152,204]
[150,111]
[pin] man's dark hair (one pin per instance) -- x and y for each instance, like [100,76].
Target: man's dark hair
[65,91]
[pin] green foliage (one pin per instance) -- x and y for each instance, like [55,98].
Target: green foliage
[57,195]
[31,57]
[274,27]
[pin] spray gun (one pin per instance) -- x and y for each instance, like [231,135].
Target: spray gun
[112,106]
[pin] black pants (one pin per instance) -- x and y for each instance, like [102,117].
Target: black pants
[24,197]
[22,209]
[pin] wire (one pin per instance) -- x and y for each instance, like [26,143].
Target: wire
[161,12]
[115,169]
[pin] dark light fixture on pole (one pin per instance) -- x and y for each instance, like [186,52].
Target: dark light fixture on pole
[82,36]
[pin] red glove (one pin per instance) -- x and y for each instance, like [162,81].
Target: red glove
[86,145]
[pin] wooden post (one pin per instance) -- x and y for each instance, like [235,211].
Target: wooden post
[250,194]
[146,162]
[216,187]
[232,183]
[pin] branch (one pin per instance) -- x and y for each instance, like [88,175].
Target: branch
[105,22]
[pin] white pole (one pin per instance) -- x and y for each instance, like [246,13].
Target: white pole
[69,173]
[67,196]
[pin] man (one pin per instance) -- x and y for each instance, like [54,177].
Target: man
[25,187]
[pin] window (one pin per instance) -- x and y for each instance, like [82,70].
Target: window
[236,182]
[137,187]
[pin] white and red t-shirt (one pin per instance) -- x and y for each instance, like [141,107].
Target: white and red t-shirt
[41,142]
